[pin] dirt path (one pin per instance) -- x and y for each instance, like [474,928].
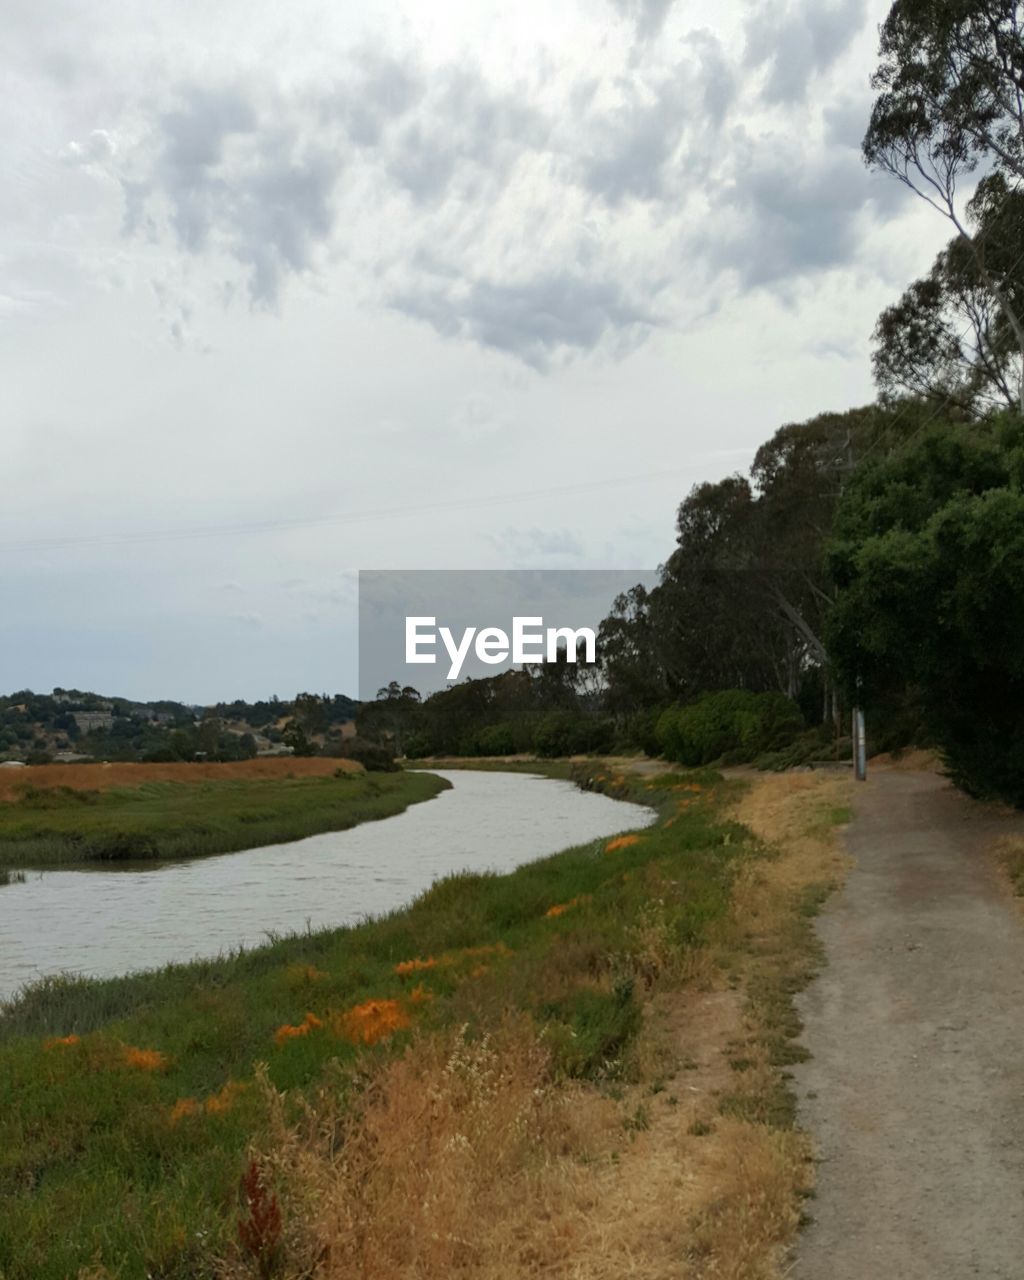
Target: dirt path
[915,1092]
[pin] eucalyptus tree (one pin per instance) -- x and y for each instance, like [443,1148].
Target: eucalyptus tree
[951,105]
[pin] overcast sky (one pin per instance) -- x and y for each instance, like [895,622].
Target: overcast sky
[296,289]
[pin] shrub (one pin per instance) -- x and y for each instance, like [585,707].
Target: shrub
[497,740]
[734,723]
[419,745]
[554,734]
[373,757]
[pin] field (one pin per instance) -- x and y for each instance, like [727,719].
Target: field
[457,1089]
[102,777]
[52,814]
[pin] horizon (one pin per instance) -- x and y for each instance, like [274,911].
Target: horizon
[300,331]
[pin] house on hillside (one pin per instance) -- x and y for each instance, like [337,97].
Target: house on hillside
[88,721]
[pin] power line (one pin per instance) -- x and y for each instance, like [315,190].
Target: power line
[336,518]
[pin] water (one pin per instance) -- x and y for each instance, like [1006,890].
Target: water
[104,921]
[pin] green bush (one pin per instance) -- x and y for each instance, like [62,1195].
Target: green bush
[928,563]
[734,723]
[563,733]
[373,757]
[419,745]
[497,740]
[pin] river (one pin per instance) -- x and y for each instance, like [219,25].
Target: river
[107,920]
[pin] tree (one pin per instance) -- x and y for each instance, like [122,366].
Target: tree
[928,561]
[948,338]
[742,600]
[392,716]
[951,81]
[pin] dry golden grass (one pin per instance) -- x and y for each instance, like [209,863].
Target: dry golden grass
[468,1159]
[101,777]
[1009,851]
[914,760]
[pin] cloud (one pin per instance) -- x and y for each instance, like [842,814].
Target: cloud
[466,132]
[98,148]
[254,185]
[846,122]
[538,219]
[378,91]
[789,212]
[717,77]
[538,319]
[647,16]
[799,41]
[534,543]
[636,142]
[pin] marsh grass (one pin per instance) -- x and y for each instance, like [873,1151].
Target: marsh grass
[538,1092]
[94,1171]
[182,819]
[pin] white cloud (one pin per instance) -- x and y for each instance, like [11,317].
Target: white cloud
[272,268]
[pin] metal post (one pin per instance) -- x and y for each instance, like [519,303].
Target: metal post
[860,746]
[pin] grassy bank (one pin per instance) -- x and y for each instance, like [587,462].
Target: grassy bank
[459,1088]
[493,764]
[194,814]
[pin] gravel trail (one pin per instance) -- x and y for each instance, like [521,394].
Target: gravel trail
[915,1091]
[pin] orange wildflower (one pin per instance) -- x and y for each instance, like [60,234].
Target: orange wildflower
[450,958]
[420,995]
[143,1059]
[621,842]
[182,1108]
[668,822]
[285,1033]
[218,1103]
[405,967]
[62,1042]
[215,1104]
[373,1020]
[560,908]
[498,949]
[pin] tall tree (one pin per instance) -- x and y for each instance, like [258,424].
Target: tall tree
[948,338]
[951,82]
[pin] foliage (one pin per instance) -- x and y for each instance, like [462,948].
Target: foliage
[951,99]
[928,557]
[734,723]
[371,755]
[176,820]
[949,337]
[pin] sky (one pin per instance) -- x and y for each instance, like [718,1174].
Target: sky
[289,291]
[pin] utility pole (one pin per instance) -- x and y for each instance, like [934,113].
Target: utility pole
[860,745]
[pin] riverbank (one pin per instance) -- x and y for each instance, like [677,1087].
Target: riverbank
[512,1043]
[145,812]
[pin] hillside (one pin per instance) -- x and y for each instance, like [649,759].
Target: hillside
[68,725]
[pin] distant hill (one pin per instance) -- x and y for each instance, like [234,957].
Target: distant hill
[71,724]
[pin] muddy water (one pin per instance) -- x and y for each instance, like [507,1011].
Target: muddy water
[108,921]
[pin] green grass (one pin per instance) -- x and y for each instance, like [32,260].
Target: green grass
[495,764]
[93,1171]
[187,820]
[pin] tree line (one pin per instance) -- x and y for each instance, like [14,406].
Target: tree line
[872,557]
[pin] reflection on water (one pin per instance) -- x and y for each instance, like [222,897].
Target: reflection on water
[111,920]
